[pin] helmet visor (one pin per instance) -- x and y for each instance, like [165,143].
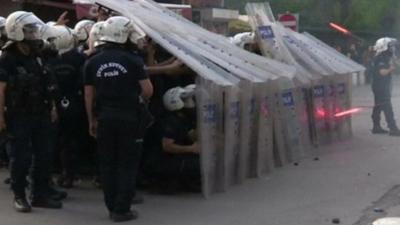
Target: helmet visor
[32,31]
[3,32]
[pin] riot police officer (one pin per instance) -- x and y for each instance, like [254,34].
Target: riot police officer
[26,90]
[173,161]
[66,65]
[384,66]
[116,81]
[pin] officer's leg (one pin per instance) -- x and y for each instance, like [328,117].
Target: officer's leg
[106,142]
[68,157]
[376,112]
[190,173]
[191,167]
[129,150]
[43,155]
[20,154]
[71,157]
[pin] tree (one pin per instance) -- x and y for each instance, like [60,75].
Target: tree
[358,15]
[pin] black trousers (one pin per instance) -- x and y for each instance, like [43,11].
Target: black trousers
[70,140]
[383,104]
[119,149]
[30,149]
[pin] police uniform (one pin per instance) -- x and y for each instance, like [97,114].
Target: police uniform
[29,99]
[381,87]
[173,169]
[177,126]
[115,74]
[72,122]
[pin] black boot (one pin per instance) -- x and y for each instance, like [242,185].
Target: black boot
[46,202]
[21,204]
[122,217]
[394,132]
[379,130]
[57,195]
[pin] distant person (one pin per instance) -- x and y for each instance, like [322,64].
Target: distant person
[381,86]
[368,57]
[339,48]
[354,53]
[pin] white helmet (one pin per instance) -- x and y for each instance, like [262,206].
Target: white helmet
[242,39]
[82,29]
[95,33]
[23,25]
[119,29]
[188,96]
[2,26]
[383,44]
[60,38]
[178,98]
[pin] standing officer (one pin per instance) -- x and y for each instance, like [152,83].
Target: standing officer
[116,81]
[26,89]
[66,67]
[382,86]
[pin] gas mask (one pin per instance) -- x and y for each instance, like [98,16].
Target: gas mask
[36,46]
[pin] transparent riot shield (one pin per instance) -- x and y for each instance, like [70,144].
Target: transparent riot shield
[265,156]
[342,124]
[208,112]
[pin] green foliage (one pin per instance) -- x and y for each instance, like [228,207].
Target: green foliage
[375,16]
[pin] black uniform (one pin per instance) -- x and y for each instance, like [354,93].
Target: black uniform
[29,96]
[72,124]
[166,168]
[115,73]
[181,166]
[381,87]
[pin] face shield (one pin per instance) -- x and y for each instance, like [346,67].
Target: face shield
[31,32]
[3,32]
[392,46]
[3,36]
[31,26]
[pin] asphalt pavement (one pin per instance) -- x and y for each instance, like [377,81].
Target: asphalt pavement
[350,178]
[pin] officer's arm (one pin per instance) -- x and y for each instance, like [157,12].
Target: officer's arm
[171,68]
[147,88]
[89,101]
[170,147]
[387,71]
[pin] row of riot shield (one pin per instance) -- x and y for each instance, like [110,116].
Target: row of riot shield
[327,87]
[253,112]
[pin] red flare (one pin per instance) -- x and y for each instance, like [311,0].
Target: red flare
[348,112]
[339,28]
[320,113]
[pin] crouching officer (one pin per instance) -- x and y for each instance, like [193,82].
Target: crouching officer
[26,90]
[382,86]
[116,81]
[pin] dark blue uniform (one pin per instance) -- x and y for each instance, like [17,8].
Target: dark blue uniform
[72,124]
[29,96]
[381,87]
[115,73]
